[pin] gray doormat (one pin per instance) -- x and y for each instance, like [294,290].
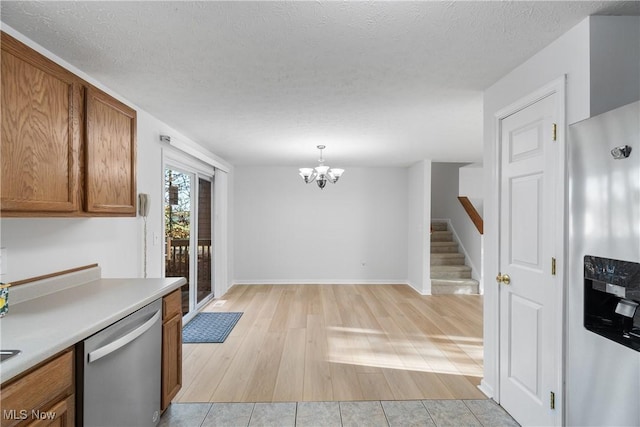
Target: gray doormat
[210,327]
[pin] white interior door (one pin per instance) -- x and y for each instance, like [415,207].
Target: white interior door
[530,321]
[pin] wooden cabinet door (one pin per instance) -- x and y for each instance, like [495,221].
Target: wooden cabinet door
[61,414]
[110,154]
[171,359]
[43,396]
[40,132]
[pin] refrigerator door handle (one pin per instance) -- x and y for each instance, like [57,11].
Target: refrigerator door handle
[122,341]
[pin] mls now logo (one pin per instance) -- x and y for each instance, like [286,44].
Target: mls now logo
[23,414]
[14,414]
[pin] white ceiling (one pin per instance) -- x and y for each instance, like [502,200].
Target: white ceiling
[379,83]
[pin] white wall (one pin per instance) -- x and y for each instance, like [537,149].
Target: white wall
[287,231]
[592,55]
[470,184]
[418,225]
[445,205]
[37,246]
[615,62]
[223,267]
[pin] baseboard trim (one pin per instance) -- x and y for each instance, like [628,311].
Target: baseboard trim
[486,389]
[415,288]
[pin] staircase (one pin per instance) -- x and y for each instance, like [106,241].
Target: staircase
[449,274]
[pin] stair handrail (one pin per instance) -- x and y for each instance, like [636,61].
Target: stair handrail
[472,212]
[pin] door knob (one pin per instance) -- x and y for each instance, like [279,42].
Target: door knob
[503,278]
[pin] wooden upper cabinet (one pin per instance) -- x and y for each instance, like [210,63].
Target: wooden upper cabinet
[40,132]
[110,152]
[68,149]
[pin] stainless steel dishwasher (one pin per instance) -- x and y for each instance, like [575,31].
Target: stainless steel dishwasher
[119,375]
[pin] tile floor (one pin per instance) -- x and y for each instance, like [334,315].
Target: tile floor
[405,413]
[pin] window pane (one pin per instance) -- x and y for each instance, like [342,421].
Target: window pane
[205,255]
[177,217]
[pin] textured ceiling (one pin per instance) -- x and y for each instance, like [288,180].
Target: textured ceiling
[379,83]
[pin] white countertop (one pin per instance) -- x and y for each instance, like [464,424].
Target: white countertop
[42,326]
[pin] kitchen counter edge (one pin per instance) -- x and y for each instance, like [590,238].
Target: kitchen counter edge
[44,326]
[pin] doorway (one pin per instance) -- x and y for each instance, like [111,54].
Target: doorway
[188,224]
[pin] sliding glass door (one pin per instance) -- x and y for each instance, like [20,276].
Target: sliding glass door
[188,237]
[205,254]
[178,229]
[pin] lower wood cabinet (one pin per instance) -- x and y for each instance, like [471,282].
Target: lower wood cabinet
[44,396]
[61,414]
[171,347]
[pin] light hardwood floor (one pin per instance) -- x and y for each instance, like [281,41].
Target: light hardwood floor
[340,343]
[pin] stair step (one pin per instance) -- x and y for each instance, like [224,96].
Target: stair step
[450,272]
[446,268]
[438,226]
[444,247]
[441,236]
[447,259]
[454,286]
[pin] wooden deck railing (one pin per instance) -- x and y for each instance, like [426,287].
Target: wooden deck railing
[177,260]
[473,213]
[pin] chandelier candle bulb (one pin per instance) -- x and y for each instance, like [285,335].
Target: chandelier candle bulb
[321,173]
[306,174]
[322,170]
[335,174]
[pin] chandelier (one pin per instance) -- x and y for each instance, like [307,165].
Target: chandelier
[321,173]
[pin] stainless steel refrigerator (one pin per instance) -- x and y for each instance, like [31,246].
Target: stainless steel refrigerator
[603,363]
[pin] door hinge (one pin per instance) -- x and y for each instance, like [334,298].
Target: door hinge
[552,400]
[554,132]
[553,266]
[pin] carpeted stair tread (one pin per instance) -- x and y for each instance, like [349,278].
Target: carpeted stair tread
[447,268]
[453,258]
[441,236]
[454,286]
[449,274]
[438,226]
[444,247]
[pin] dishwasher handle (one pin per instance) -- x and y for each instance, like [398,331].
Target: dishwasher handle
[122,341]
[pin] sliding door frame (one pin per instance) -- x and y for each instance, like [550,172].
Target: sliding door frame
[180,162]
